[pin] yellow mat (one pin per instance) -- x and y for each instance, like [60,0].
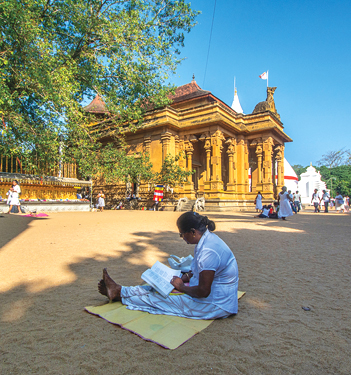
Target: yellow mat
[165,330]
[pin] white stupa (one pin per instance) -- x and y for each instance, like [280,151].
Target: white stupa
[309,181]
[290,177]
[236,103]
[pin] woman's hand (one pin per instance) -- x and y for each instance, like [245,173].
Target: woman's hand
[187,276]
[177,282]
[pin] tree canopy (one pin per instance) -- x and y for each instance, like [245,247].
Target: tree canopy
[55,53]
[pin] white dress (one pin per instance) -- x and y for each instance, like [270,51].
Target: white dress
[14,200]
[211,253]
[284,205]
[259,202]
[101,201]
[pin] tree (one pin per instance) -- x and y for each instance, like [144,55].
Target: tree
[55,53]
[333,158]
[171,173]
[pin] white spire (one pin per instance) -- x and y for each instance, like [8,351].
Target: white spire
[236,103]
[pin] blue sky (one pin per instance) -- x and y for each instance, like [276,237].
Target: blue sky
[305,45]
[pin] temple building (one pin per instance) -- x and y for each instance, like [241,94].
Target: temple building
[234,155]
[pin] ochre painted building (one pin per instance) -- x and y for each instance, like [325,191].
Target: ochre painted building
[223,146]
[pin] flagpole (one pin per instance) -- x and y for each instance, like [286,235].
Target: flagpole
[267,79]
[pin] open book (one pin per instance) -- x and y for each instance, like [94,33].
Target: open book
[159,277]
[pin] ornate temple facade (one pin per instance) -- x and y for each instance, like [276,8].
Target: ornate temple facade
[234,155]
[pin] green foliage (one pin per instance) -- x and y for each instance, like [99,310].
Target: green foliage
[55,53]
[299,169]
[338,179]
[171,173]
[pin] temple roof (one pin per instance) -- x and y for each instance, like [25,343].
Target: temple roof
[188,91]
[96,106]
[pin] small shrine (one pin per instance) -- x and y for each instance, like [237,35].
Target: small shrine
[309,181]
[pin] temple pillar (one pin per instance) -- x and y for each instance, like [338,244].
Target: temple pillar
[267,167]
[242,166]
[280,167]
[147,145]
[259,154]
[189,150]
[232,170]
[216,160]
[166,144]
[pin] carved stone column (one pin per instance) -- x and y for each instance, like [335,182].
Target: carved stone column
[147,145]
[259,154]
[216,160]
[189,150]
[166,143]
[280,167]
[242,166]
[232,170]
[267,166]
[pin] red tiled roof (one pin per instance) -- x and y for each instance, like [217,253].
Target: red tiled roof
[96,106]
[188,91]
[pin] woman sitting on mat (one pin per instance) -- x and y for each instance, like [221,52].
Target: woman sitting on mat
[213,281]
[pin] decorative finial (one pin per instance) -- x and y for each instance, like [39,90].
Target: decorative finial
[193,77]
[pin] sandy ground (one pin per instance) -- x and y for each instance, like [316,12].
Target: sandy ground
[50,267]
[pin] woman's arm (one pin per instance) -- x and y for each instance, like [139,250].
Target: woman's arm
[202,290]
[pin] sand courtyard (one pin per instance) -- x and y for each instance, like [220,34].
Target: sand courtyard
[50,267]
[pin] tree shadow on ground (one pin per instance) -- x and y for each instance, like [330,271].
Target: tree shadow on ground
[47,332]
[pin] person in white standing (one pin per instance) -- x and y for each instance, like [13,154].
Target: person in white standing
[258,201]
[297,201]
[284,204]
[325,198]
[14,200]
[316,200]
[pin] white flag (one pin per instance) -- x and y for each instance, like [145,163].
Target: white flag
[264,75]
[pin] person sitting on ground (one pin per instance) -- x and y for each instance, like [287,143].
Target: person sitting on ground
[264,213]
[213,281]
[272,214]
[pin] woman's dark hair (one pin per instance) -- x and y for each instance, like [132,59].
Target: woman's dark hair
[192,220]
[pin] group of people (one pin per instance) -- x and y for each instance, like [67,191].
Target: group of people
[341,203]
[289,203]
[283,208]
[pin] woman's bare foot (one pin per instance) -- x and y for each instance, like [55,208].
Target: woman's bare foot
[102,287]
[113,290]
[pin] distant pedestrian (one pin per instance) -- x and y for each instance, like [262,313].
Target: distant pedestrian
[14,200]
[291,197]
[100,201]
[339,203]
[297,201]
[315,200]
[325,198]
[258,201]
